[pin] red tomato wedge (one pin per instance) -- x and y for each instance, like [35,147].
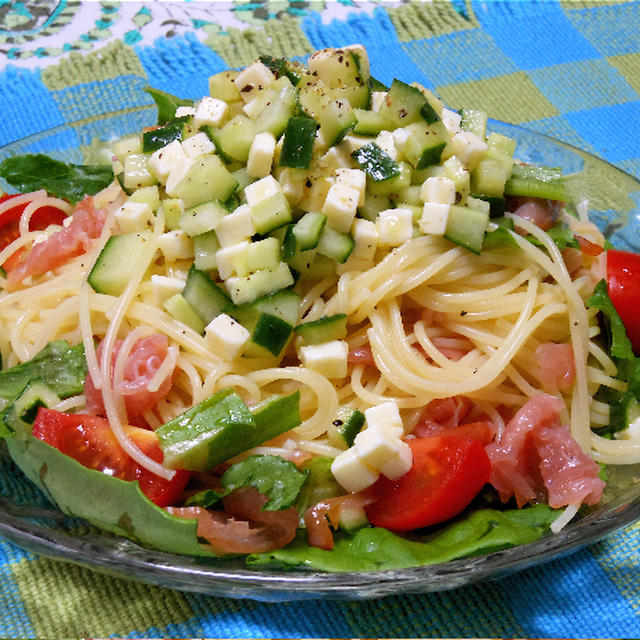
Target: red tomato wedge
[448,472]
[623,283]
[90,441]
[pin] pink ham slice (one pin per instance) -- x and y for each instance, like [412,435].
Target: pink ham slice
[71,241]
[143,361]
[537,459]
[556,365]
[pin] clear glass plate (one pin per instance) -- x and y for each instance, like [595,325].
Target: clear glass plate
[29,521]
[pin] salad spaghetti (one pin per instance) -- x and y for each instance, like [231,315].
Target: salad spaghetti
[307,268]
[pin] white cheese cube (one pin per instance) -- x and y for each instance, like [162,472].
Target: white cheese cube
[385,416]
[400,137]
[176,245]
[365,237]
[261,155]
[235,227]
[376,447]
[328,358]
[198,144]
[353,474]
[134,216]
[164,287]
[354,178]
[232,260]
[438,189]
[185,111]
[377,99]
[395,226]
[253,79]
[261,189]
[341,205]
[210,111]
[451,120]
[292,184]
[334,159]
[226,337]
[398,464]
[177,172]
[164,160]
[387,143]
[434,218]
[468,147]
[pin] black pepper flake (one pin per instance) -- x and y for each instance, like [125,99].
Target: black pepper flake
[457,198]
[308,183]
[463,313]
[337,422]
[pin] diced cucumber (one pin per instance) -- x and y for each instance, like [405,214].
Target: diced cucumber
[202,218]
[284,304]
[263,254]
[275,115]
[466,227]
[20,414]
[274,416]
[235,137]
[370,123]
[283,67]
[271,213]
[147,195]
[311,265]
[536,182]
[297,147]
[474,121]
[377,164]
[206,179]
[373,205]
[162,136]
[204,296]
[205,247]
[424,143]
[405,104]
[270,334]
[323,329]
[334,244]
[260,283]
[182,311]
[223,87]
[118,262]
[392,186]
[208,433]
[136,172]
[308,229]
[346,426]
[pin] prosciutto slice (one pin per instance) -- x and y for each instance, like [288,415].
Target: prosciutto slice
[537,459]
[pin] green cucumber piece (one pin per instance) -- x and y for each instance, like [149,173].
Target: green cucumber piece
[118,262]
[323,329]
[205,297]
[346,426]
[424,145]
[297,146]
[405,104]
[270,333]
[370,123]
[284,304]
[334,244]
[207,434]
[162,136]
[376,163]
[21,413]
[466,227]
[304,234]
[474,121]
[205,247]
[536,182]
[206,179]
[182,311]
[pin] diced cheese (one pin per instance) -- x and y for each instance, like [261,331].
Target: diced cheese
[210,111]
[198,144]
[434,218]
[395,226]
[376,447]
[292,184]
[377,98]
[235,227]
[387,143]
[451,120]
[438,189]
[261,155]
[365,236]
[232,260]
[261,189]
[226,337]
[177,172]
[164,287]
[354,178]
[341,205]
[468,147]
[385,416]
[327,358]
[253,79]
[163,160]
[175,245]
[398,464]
[184,110]
[134,216]
[353,474]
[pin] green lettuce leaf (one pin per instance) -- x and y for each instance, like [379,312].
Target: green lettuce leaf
[167,104]
[68,181]
[109,503]
[375,549]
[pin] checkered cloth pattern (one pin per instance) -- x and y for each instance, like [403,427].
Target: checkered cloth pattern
[569,69]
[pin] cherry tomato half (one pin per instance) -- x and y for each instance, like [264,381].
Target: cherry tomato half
[623,284]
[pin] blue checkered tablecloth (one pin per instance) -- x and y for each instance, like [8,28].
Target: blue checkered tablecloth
[569,69]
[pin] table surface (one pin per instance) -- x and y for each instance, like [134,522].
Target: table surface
[568,69]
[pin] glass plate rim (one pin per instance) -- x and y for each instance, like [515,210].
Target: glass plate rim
[177,571]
